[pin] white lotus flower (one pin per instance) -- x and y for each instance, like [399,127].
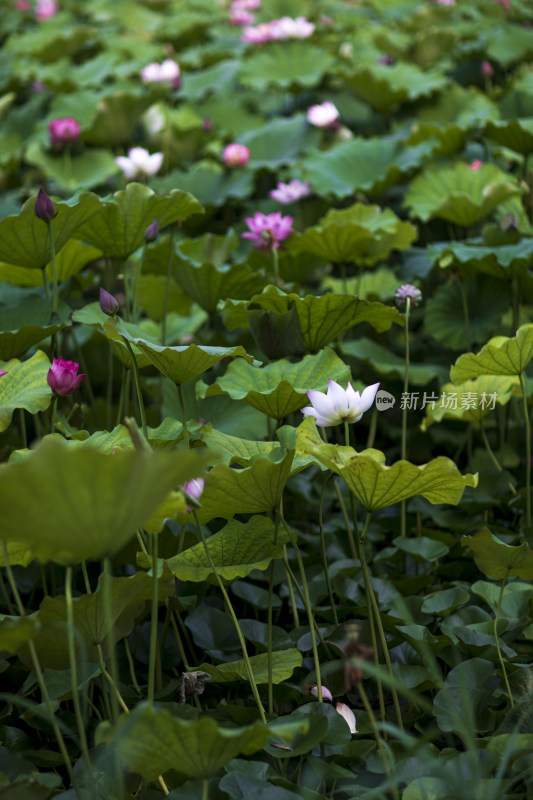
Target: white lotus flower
[325,115]
[338,404]
[139,163]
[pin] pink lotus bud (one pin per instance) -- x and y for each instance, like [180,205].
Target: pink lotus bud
[348,715]
[236,155]
[3,372]
[194,489]
[108,303]
[152,232]
[487,69]
[63,131]
[63,377]
[326,694]
[475,165]
[44,208]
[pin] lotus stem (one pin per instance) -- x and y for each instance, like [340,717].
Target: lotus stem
[500,657]
[528,451]
[153,620]
[74,670]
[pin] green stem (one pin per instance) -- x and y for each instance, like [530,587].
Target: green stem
[292,577]
[123,394]
[500,657]
[205,789]
[377,616]
[38,672]
[307,602]
[353,549]
[73,668]
[492,455]
[109,391]
[324,554]
[235,621]
[135,288]
[53,411]
[269,624]
[528,451]
[153,621]
[109,629]
[288,572]
[183,416]
[465,314]
[54,267]
[167,287]
[132,667]
[403,520]
[45,283]
[379,741]
[23,433]
[275,265]
[138,387]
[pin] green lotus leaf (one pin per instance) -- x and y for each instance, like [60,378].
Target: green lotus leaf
[506,261]
[128,601]
[285,65]
[98,500]
[117,114]
[179,364]
[280,388]
[501,356]
[212,79]
[234,449]
[15,631]
[321,319]
[284,662]
[471,401]
[236,550]
[377,284]
[386,87]
[389,365]
[165,436]
[367,165]
[17,554]
[459,194]
[211,183]
[91,168]
[510,44]
[362,234]
[119,229]
[465,696]
[72,258]
[279,141]
[488,300]
[208,284]
[93,315]
[24,386]
[151,297]
[378,486]
[17,335]
[516,134]
[497,559]
[24,238]
[152,741]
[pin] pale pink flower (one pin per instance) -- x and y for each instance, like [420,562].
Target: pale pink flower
[348,715]
[475,165]
[289,28]
[239,16]
[268,230]
[407,291]
[325,115]
[487,70]
[264,32]
[167,72]
[45,9]
[63,378]
[245,5]
[63,131]
[339,405]
[445,2]
[139,163]
[236,155]
[290,192]
[326,694]
[194,489]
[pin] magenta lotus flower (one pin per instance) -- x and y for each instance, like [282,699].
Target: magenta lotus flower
[487,70]
[63,131]
[326,694]
[268,230]
[45,9]
[348,715]
[325,115]
[407,291]
[475,165]
[63,377]
[167,72]
[240,16]
[236,155]
[23,5]
[44,208]
[139,163]
[290,192]
[339,405]
[3,372]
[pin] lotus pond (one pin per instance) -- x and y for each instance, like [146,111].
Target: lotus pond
[266,338]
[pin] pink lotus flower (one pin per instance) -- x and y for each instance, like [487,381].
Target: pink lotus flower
[167,72]
[236,155]
[3,372]
[245,5]
[326,694]
[45,9]
[290,192]
[348,715]
[407,291]
[139,163]
[264,32]
[239,16]
[194,489]
[289,28]
[23,5]
[63,377]
[445,2]
[487,70]
[475,165]
[268,230]
[63,131]
[325,115]
[339,405]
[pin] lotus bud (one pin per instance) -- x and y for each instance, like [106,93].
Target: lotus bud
[108,303]
[152,232]
[44,208]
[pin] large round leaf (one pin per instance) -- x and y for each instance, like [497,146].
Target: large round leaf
[24,238]
[472,401]
[389,365]
[280,388]
[459,193]
[28,322]
[505,261]
[516,134]
[91,168]
[72,258]
[119,229]
[25,387]
[284,662]
[497,559]
[386,87]
[470,682]
[286,65]
[69,504]
[279,141]
[234,449]
[207,283]
[211,183]
[501,356]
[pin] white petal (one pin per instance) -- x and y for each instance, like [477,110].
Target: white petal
[367,398]
[348,715]
[322,404]
[337,397]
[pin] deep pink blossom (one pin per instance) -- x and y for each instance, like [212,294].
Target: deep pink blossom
[63,131]
[23,5]
[475,165]
[44,207]
[236,155]
[290,192]
[63,377]
[3,372]
[487,70]
[268,230]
